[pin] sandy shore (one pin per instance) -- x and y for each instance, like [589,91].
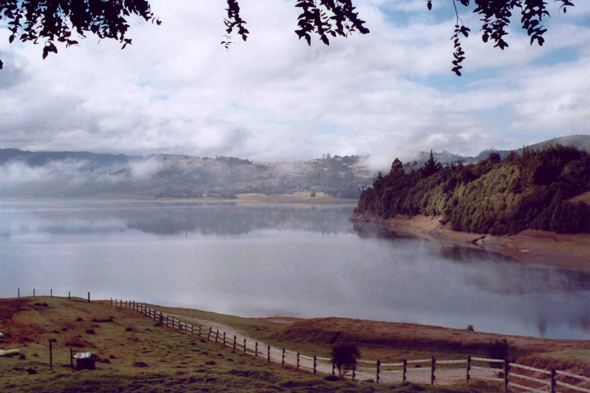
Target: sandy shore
[571,252]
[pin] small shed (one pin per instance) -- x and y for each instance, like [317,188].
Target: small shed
[85,360]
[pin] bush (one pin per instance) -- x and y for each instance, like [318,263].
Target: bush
[498,350]
[344,355]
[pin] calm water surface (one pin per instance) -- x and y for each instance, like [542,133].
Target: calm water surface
[278,260]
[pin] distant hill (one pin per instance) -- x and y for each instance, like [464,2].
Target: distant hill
[90,160]
[581,142]
[75,174]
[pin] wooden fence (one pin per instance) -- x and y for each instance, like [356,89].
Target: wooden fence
[18,294]
[512,375]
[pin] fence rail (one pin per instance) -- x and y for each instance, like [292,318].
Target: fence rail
[369,368]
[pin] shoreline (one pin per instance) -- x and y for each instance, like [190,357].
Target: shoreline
[563,251]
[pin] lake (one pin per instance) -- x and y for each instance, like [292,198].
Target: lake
[261,261]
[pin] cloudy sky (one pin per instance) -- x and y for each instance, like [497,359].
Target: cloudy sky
[176,90]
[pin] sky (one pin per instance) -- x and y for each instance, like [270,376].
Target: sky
[390,93]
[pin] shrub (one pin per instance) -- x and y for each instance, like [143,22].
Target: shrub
[344,355]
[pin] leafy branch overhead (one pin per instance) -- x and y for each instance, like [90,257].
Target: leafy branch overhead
[52,21]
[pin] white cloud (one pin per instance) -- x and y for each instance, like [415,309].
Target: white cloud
[176,90]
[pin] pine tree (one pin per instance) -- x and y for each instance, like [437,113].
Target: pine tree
[431,166]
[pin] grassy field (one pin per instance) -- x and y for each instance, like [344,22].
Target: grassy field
[138,355]
[392,342]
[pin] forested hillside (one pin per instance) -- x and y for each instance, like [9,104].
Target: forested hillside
[495,196]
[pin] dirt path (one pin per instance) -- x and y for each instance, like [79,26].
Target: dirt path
[366,370]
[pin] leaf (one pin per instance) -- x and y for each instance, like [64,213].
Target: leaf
[325,40]
[429,5]
[10,39]
[1,64]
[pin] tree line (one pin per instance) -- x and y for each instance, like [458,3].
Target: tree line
[495,196]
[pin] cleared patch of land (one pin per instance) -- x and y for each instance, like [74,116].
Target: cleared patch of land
[585,197]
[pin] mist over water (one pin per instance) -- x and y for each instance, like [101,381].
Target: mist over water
[278,260]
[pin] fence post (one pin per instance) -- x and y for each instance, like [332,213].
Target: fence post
[268,354]
[378,370]
[216,335]
[256,350]
[432,368]
[333,368]
[244,346]
[50,356]
[552,380]
[199,332]
[224,339]
[192,328]
[161,319]
[283,359]
[19,293]
[468,368]
[315,363]
[506,368]
[111,299]
[405,370]
[88,297]
[51,293]
[234,348]
[69,298]
[33,292]
[71,358]
[208,334]
[353,369]
[297,361]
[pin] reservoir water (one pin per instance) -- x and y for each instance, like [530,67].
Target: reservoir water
[282,260]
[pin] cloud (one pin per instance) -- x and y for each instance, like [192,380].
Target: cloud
[177,91]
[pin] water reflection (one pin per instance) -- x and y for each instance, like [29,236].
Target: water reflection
[264,261]
[170,219]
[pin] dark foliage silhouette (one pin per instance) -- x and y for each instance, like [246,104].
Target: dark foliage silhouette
[51,21]
[344,355]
